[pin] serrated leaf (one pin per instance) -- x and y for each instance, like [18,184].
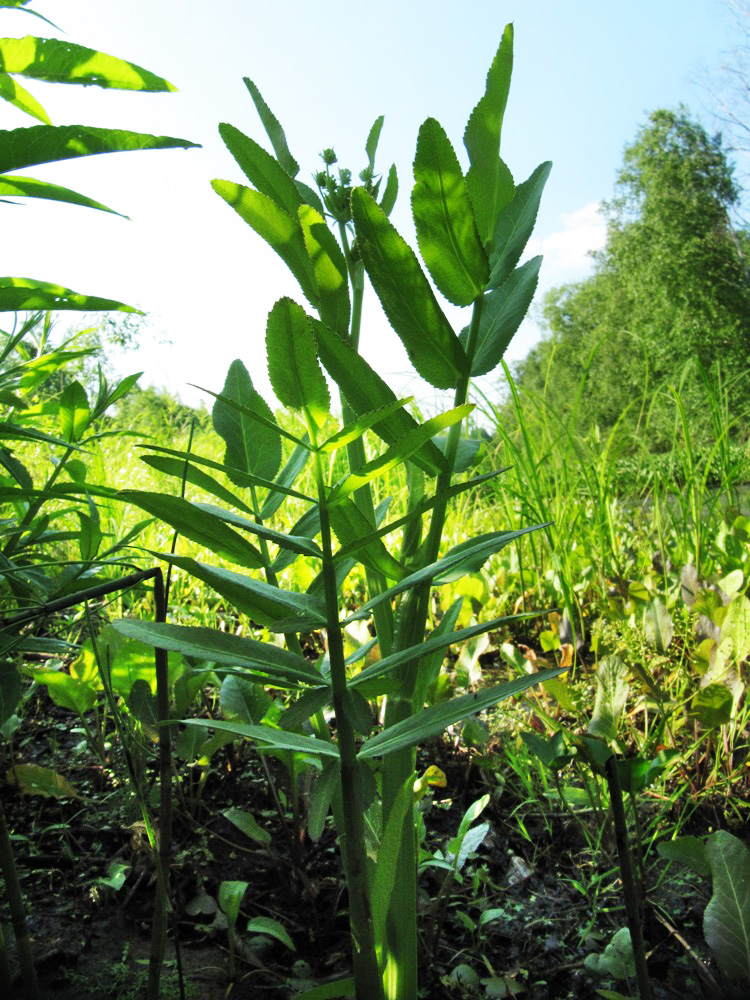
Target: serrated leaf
[58,61]
[350,525]
[263,661]
[244,700]
[489,181]
[280,230]
[446,231]
[503,311]
[274,131]
[251,446]
[407,297]
[726,919]
[391,191]
[73,413]
[293,366]
[261,169]
[515,224]
[198,524]
[299,544]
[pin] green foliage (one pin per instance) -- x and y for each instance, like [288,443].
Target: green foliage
[670,287]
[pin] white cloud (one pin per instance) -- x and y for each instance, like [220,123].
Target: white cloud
[566,250]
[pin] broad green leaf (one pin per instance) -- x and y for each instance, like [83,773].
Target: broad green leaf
[276,738]
[502,313]
[263,661]
[185,470]
[726,919]
[712,706]
[407,297]
[247,823]
[330,270]
[473,553]
[350,525]
[25,147]
[515,225]
[612,690]
[280,230]
[34,780]
[271,928]
[28,295]
[230,898]
[688,851]
[436,718]
[637,773]
[251,446]
[365,390]
[68,691]
[293,366]
[142,705]
[446,231]
[198,524]
[10,691]
[12,92]
[58,61]
[243,699]
[261,169]
[274,131]
[489,182]
[73,413]
[552,751]
[398,452]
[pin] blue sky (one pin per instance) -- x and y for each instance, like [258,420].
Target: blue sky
[586,74]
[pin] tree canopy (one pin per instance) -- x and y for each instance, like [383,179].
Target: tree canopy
[670,290]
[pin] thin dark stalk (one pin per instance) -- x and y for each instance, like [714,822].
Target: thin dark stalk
[17,912]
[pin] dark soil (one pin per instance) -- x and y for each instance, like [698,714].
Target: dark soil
[555,901]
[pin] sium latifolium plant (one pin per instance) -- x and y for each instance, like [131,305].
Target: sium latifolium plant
[472,229]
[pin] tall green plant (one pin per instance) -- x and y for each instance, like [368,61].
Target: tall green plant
[472,229]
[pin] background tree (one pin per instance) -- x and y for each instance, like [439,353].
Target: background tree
[671,286]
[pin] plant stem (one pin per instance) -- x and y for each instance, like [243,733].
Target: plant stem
[367,978]
[17,912]
[629,887]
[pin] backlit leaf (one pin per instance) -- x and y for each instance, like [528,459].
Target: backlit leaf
[293,366]
[446,231]
[274,131]
[58,61]
[261,169]
[280,230]
[329,266]
[73,413]
[12,92]
[15,186]
[251,446]
[489,182]
[515,224]
[29,295]
[406,296]
[611,695]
